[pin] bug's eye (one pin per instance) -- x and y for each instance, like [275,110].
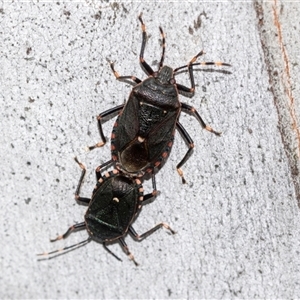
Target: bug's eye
[155,74]
[172,81]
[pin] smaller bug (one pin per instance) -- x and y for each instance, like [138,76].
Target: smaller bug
[116,201]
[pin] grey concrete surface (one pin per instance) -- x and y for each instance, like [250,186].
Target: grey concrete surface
[237,218]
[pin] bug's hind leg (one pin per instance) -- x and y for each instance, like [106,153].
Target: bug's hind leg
[108,113]
[190,144]
[110,252]
[81,200]
[154,192]
[126,250]
[150,231]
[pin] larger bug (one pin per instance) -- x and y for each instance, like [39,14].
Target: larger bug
[143,133]
[114,205]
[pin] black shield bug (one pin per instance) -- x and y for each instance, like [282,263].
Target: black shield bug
[143,134]
[115,203]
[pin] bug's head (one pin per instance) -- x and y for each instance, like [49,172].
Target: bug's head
[165,75]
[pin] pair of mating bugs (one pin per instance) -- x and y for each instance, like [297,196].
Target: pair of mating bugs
[141,140]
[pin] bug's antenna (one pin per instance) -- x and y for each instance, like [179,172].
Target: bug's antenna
[48,255]
[163,36]
[208,63]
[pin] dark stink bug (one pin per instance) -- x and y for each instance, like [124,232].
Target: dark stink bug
[143,133]
[115,203]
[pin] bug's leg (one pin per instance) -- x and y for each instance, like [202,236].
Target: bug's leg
[98,169]
[106,113]
[81,200]
[194,112]
[149,232]
[65,249]
[109,251]
[154,192]
[126,250]
[191,90]
[73,228]
[130,79]
[190,143]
